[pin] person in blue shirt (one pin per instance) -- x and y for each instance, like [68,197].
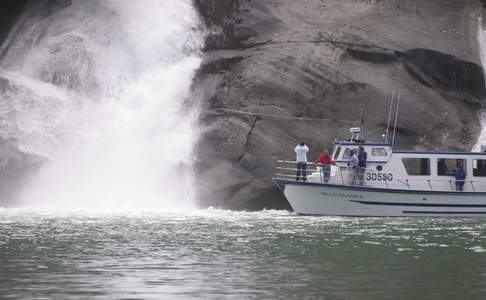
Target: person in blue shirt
[459,175]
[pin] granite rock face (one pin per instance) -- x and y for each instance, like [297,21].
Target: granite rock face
[279,72]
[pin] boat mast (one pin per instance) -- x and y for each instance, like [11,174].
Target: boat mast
[389,116]
[396,119]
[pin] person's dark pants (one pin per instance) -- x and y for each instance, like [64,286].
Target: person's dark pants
[301,170]
[459,185]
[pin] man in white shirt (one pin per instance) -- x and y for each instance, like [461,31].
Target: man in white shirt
[301,158]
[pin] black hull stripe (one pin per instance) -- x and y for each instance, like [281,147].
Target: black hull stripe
[417,204]
[445,212]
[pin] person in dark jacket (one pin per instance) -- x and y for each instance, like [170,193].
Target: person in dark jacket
[362,158]
[459,175]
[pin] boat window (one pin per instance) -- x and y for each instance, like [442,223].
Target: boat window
[347,151]
[378,152]
[479,168]
[446,166]
[336,154]
[417,166]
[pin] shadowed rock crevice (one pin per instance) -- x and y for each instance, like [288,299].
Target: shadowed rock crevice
[374,54]
[220,65]
[246,145]
[454,78]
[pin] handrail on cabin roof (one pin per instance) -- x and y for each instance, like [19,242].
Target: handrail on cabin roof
[384,144]
[361,142]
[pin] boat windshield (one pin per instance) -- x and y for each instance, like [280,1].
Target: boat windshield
[336,153]
[378,152]
[347,152]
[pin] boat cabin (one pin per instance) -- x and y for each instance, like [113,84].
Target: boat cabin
[412,169]
[424,170]
[389,168]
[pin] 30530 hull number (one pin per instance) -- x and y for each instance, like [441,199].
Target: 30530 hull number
[379,176]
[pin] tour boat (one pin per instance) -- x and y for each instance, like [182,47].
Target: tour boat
[396,183]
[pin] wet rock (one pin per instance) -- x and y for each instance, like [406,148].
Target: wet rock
[222,18]
[9,12]
[15,169]
[454,78]
[3,84]
[20,144]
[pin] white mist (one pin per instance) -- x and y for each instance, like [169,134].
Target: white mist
[115,75]
[482,52]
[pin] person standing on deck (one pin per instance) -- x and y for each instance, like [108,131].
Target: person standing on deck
[301,158]
[325,161]
[352,167]
[459,175]
[362,158]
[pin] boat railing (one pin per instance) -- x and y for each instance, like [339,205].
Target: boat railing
[474,184]
[342,175]
[311,168]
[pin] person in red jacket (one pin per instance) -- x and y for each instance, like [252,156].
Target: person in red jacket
[325,161]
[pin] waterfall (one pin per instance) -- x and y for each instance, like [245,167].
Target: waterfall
[482,52]
[97,94]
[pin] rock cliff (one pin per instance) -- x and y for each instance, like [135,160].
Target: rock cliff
[279,72]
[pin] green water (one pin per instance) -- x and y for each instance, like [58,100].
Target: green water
[220,254]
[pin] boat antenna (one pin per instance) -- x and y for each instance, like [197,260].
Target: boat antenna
[362,121]
[396,119]
[389,116]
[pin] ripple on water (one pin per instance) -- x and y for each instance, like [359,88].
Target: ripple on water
[478,249]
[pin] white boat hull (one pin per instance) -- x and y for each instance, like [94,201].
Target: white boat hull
[342,200]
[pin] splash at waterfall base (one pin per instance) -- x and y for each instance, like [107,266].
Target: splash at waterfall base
[95,113]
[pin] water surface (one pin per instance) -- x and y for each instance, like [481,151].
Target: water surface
[223,254]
